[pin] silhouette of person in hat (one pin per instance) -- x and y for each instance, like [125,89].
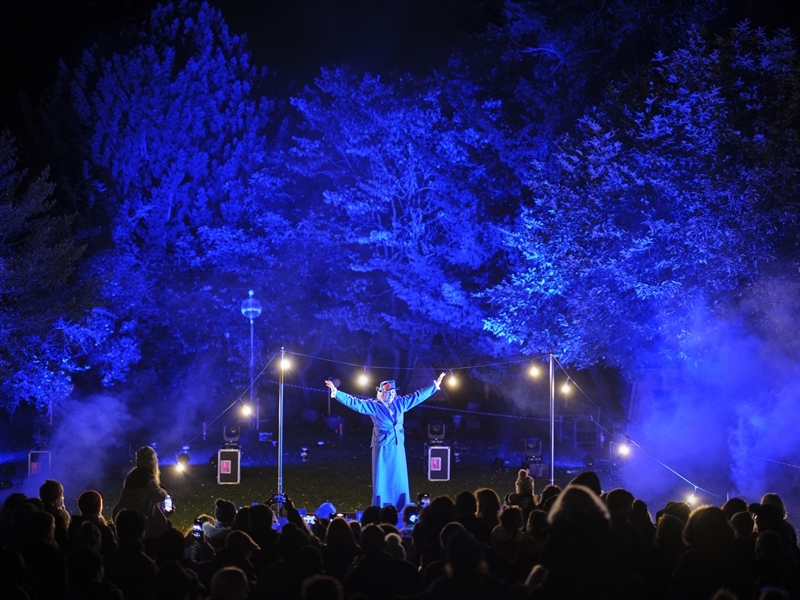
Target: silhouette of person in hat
[389,468]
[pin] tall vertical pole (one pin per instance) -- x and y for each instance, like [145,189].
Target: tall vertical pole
[252,377]
[251,308]
[280,422]
[552,420]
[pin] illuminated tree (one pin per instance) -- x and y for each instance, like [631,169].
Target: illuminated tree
[404,180]
[178,128]
[37,257]
[672,195]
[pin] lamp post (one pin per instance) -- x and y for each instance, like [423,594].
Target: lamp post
[251,309]
[552,420]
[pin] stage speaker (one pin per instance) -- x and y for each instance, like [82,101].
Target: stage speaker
[228,465]
[38,462]
[438,466]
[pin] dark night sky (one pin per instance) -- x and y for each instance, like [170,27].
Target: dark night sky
[293,38]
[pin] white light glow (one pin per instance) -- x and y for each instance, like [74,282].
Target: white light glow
[534,371]
[285,364]
[624,450]
[246,410]
[363,379]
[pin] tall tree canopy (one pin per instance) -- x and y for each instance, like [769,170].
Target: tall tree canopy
[444,214]
[671,195]
[38,351]
[178,128]
[407,178]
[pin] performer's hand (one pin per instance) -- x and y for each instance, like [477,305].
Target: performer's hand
[438,382]
[332,387]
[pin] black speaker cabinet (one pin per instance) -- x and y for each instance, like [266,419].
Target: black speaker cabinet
[228,465]
[438,466]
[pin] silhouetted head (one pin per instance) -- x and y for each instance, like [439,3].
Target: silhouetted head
[708,529]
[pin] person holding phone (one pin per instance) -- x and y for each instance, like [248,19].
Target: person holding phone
[389,467]
[142,491]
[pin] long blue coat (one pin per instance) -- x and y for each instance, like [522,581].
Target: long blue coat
[389,468]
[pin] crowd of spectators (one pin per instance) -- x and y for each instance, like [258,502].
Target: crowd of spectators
[576,542]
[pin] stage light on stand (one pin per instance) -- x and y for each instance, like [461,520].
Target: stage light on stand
[533,450]
[436,431]
[231,435]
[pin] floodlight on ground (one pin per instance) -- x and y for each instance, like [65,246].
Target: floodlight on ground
[183,462]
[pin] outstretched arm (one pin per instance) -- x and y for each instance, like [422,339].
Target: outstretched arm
[331,387]
[362,406]
[438,382]
[418,397]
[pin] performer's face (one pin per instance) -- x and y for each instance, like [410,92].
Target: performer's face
[386,396]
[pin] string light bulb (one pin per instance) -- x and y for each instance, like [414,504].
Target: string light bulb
[534,371]
[565,387]
[363,380]
[285,364]
[246,410]
[452,381]
[624,450]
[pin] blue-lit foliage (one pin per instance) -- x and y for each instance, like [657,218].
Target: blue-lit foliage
[406,180]
[178,128]
[667,198]
[399,214]
[37,255]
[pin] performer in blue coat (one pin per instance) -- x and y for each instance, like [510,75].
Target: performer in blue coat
[389,468]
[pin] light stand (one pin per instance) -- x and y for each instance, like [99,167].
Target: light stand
[280,423]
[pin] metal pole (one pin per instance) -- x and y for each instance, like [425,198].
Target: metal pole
[253,400]
[280,423]
[552,420]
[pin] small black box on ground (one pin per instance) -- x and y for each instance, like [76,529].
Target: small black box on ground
[438,465]
[228,465]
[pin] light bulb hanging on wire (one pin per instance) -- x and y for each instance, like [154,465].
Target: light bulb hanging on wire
[363,380]
[452,381]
